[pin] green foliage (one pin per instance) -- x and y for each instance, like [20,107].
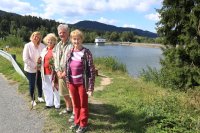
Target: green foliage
[110,63]
[12,41]
[179,29]
[151,75]
[141,107]
[127,37]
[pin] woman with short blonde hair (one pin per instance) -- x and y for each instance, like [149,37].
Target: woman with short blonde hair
[50,36]
[80,77]
[36,34]
[51,94]
[31,54]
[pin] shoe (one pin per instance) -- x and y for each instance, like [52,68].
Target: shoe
[47,107]
[81,130]
[33,103]
[71,119]
[65,111]
[40,99]
[69,111]
[57,107]
[74,126]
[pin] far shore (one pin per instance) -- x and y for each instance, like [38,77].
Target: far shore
[136,44]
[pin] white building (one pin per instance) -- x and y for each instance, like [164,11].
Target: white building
[99,41]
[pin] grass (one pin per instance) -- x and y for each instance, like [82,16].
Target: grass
[127,105]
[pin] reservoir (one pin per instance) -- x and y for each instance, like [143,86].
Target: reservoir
[135,58]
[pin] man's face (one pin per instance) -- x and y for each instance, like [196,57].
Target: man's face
[63,34]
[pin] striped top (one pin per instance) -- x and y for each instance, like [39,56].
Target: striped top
[88,69]
[76,67]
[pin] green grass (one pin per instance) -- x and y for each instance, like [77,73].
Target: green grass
[127,105]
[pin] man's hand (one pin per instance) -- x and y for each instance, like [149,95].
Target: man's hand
[63,74]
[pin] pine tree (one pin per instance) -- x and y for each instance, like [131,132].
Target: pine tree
[179,28]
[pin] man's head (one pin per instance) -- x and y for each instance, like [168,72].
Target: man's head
[63,32]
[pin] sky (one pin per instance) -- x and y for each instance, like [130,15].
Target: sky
[140,14]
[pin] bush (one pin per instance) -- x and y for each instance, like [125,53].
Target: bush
[13,41]
[151,74]
[110,63]
[180,69]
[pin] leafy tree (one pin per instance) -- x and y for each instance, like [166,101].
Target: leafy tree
[127,36]
[179,28]
[114,36]
[24,33]
[13,28]
[4,28]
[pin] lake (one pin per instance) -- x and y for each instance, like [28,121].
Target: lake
[135,58]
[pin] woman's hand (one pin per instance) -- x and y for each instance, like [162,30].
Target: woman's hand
[59,74]
[90,93]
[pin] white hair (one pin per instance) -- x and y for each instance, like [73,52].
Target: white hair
[63,26]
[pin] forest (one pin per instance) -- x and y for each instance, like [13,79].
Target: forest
[21,27]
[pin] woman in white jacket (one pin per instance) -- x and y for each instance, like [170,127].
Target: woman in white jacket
[51,94]
[31,53]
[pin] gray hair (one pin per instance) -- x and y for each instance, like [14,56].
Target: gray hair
[63,26]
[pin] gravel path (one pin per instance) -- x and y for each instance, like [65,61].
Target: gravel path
[15,115]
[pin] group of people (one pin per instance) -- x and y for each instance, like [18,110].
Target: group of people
[61,69]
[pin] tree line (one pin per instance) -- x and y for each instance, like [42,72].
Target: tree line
[21,27]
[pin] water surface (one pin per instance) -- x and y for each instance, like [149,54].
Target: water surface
[135,58]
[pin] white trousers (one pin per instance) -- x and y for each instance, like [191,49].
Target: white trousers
[52,97]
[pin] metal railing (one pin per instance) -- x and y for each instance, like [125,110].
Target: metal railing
[14,63]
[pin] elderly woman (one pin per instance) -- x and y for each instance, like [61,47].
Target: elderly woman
[51,94]
[80,76]
[31,53]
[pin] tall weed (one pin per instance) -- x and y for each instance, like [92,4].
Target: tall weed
[110,63]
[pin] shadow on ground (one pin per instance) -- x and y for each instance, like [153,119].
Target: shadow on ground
[107,118]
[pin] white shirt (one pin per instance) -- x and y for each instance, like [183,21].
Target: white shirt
[31,55]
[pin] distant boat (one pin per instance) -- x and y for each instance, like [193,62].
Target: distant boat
[100,41]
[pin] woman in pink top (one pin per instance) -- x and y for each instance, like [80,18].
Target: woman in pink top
[31,54]
[80,76]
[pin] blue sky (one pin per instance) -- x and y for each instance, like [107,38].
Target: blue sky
[139,14]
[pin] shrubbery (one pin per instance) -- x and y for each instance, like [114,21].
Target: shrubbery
[110,63]
[12,41]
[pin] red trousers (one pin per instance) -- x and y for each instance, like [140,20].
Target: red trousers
[80,99]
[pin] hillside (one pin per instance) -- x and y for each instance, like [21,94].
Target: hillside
[3,13]
[93,25]
[90,25]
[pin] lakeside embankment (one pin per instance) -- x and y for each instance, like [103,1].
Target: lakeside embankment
[151,45]
[140,106]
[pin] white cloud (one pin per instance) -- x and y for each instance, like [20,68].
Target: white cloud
[85,7]
[153,16]
[129,25]
[107,21]
[16,6]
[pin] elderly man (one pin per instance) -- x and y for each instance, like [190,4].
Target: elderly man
[60,51]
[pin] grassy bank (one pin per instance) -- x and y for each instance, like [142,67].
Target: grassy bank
[126,105]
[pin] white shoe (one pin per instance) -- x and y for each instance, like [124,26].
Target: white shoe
[40,99]
[63,112]
[71,119]
[33,103]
